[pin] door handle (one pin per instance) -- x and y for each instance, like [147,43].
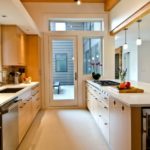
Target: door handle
[76,76]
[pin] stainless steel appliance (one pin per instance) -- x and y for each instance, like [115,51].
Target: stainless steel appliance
[9,139]
[146,129]
[106,82]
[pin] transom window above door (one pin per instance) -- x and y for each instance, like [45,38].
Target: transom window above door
[76,25]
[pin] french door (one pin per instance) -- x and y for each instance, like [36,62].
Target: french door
[62,71]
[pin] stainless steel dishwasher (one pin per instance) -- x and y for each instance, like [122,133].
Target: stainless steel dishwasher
[9,125]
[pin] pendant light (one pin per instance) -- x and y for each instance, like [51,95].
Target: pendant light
[78,2]
[125,46]
[139,40]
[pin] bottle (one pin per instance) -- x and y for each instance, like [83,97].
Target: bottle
[17,77]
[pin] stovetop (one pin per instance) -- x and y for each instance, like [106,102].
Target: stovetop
[106,83]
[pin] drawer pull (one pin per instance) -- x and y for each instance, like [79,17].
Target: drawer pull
[123,108]
[29,99]
[100,115]
[106,107]
[114,103]
[105,124]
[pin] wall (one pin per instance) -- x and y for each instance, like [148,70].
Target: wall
[42,12]
[133,58]
[144,62]
[123,10]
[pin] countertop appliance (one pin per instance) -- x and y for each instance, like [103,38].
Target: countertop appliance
[9,139]
[146,129]
[106,82]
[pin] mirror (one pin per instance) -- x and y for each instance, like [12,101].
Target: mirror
[136,59]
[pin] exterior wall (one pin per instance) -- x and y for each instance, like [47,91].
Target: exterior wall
[64,47]
[123,10]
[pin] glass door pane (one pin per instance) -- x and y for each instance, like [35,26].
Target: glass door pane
[63,71]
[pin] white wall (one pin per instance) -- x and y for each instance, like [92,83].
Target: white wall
[123,10]
[41,12]
[132,49]
[144,62]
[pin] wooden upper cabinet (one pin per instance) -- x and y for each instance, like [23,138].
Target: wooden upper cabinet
[13,46]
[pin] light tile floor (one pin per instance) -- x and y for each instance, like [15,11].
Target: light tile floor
[64,129]
[66,93]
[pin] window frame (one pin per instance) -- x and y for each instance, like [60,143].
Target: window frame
[101,58]
[91,23]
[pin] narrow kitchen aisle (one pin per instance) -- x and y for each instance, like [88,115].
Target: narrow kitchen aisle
[64,129]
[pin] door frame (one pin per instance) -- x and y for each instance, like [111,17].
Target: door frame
[81,101]
[49,74]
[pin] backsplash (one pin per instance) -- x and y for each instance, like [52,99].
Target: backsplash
[7,75]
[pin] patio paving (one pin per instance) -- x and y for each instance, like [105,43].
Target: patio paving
[66,93]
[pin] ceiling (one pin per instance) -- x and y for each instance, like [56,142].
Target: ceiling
[12,12]
[109,4]
[65,1]
[132,32]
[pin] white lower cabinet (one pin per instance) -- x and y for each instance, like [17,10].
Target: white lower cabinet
[120,126]
[97,103]
[112,117]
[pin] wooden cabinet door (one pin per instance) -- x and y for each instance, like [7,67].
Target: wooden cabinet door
[21,48]
[120,126]
[9,45]
[25,117]
[13,46]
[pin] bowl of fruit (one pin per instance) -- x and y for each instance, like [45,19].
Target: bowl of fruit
[124,85]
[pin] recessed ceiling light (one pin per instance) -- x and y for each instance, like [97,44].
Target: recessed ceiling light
[78,2]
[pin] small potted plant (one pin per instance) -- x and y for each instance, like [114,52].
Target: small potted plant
[95,66]
[122,74]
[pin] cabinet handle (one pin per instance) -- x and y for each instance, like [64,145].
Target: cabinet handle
[105,124]
[123,108]
[106,107]
[29,99]
[100,115]
[114,103]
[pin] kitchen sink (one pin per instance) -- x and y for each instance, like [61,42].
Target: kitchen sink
[10,90]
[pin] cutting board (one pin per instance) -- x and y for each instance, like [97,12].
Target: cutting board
[130,90]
